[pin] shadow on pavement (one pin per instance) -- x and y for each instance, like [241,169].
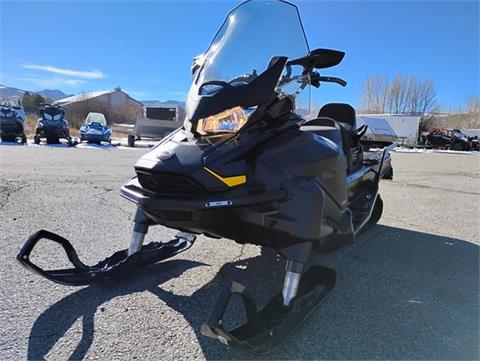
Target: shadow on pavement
[400,294]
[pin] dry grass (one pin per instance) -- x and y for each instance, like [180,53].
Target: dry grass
[30,125]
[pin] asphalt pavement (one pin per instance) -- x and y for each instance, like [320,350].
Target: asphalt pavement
[407,289]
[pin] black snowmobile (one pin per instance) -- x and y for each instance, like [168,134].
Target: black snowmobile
[11,125]
[246,166]
[52,125]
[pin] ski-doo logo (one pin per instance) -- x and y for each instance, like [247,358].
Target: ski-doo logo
[165,154]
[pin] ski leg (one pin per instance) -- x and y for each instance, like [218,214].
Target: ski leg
[120,263]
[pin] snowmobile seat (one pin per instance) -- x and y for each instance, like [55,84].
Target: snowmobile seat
[325,127]
[344,114]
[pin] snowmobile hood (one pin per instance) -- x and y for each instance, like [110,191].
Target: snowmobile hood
[7,113]
[242,68]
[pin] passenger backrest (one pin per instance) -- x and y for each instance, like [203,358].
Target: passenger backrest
[342,113]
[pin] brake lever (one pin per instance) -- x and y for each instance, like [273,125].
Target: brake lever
[332,79]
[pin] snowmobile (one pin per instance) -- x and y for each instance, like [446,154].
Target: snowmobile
[246,166]
[52,125]
[452,139]
[11,125]
[95,129]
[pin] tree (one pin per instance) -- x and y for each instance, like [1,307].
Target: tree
[375,93]
[402,95]
[31,102]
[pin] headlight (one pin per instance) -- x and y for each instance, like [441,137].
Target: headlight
[228,121]
[57,117]
[47,116]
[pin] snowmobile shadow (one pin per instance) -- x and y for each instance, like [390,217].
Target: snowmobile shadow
[400,294]
[103,145]
[54,145]
[54,323]
[11,144]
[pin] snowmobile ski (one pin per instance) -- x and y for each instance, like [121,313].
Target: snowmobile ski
[268,328]
[117,264]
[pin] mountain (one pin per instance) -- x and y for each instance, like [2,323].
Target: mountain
[7,92]
[149,102]
[54,94]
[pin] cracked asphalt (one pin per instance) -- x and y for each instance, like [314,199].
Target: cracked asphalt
[407,289]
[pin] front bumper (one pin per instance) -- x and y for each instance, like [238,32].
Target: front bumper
[10,129]
[95,137]
[53,132]
[134,192]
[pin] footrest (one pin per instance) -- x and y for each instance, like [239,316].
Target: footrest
[117,264]
[268,328]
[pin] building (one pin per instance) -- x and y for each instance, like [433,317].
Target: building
[112,98]
[116,105]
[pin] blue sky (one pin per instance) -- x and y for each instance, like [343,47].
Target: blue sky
[147,47]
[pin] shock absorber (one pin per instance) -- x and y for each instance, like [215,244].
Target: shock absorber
[291,282]
[140,229]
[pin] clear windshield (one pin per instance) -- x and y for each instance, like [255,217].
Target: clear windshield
[96,118]
[254,33]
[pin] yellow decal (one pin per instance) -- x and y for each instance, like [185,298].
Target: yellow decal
[229,181]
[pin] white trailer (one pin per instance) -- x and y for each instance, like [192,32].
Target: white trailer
[406,127]
[378,131]
[158,121]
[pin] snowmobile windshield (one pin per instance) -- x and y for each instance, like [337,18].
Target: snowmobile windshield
[252,35]
[96,118]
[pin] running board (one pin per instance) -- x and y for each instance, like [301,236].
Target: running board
[268,328]
[119,263]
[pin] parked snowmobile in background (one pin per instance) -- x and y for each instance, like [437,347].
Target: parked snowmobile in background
[447,139]
[246,166]
[52,125]
[11,125]
[95,129]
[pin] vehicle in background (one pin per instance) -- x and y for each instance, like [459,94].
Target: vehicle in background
[11,125]
[406,127]
[379,132]
[52,125]
[95,129]
[452,139]
[474,143]
[158,122]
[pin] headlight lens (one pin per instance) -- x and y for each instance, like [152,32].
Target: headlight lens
[228,121]
[57,117]
[47,116]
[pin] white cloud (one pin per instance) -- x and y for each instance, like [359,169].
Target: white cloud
[86,74]
[54,82]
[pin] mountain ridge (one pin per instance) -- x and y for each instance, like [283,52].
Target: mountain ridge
[10,93]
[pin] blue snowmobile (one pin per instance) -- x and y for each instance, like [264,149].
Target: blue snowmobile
[95,129]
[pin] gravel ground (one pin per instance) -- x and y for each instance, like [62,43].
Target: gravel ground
[407,289]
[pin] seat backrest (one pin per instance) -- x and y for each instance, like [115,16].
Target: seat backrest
[341,112]
[321,121]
